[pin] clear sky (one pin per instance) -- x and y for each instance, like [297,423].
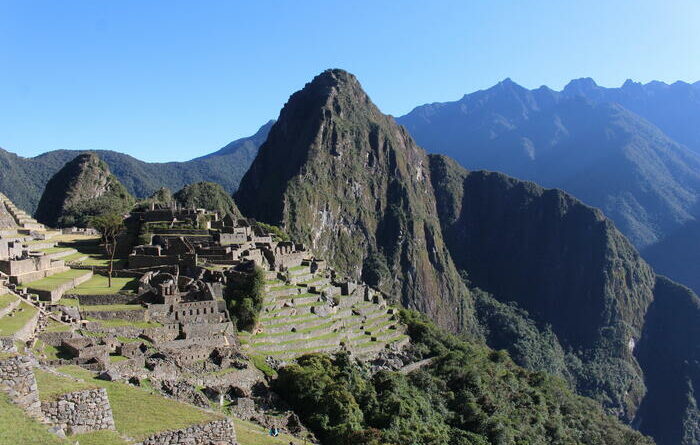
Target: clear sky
[171,80]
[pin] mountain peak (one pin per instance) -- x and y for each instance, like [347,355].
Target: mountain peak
[580,86]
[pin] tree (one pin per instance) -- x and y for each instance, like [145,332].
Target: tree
[109,225]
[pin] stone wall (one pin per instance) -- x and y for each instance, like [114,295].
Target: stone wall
[55,338]
[7,344]
[17,380]
[219,432]
[130,315]
[80,411]
[92,300]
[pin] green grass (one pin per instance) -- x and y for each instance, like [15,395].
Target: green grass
[261,364]
[51,386]
[54,249]
[99,285]
[110,307]
[327,336]
[16,427]
[248,433]
[72,302]
[103,437]
[74,257]
[54,326]
[138,413]
[117,358]
[9,325]
[6,300]
[55,280]
[116,322]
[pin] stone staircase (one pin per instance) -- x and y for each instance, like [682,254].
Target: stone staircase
[21,217]
[307,313]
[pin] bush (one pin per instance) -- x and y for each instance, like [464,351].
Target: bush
[245,302]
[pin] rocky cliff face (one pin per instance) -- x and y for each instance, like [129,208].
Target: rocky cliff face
[561,261]
[670,355]
[344,178]
[83,188]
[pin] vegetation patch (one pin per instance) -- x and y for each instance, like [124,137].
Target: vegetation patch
[11,323]
[103,437]
[52,386]
[245,302]
[56,280]
[6,300]
[16,427]
[110,307]
[98,285]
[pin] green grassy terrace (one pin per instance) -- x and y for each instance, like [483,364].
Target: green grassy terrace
[116,322]
[99,285]
[110,307]
[16,427]
[9,325]
[6,299]
[51,386]
[139,413]
[56,280]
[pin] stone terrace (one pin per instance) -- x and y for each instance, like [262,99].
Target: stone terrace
[305,312]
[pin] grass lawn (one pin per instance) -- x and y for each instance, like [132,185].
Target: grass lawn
[20,316]
[6,299]
[54,326]
[16,427]
[72,302]
[138,413]
[116,322]
[99,285]
[99,438]
[51,386]
[54,249]
[74,257]
[110,307]
[55,280]
[248,433]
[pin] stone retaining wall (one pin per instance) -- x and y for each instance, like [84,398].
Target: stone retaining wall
[7,344]
[94,300]
[219,432]
[17,380]
[130,315]
[80,411]
[55,294]
[55,338]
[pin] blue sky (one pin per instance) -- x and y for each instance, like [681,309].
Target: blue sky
[172,80]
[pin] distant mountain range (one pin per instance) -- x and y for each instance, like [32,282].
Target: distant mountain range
[23,179]
[632,151]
